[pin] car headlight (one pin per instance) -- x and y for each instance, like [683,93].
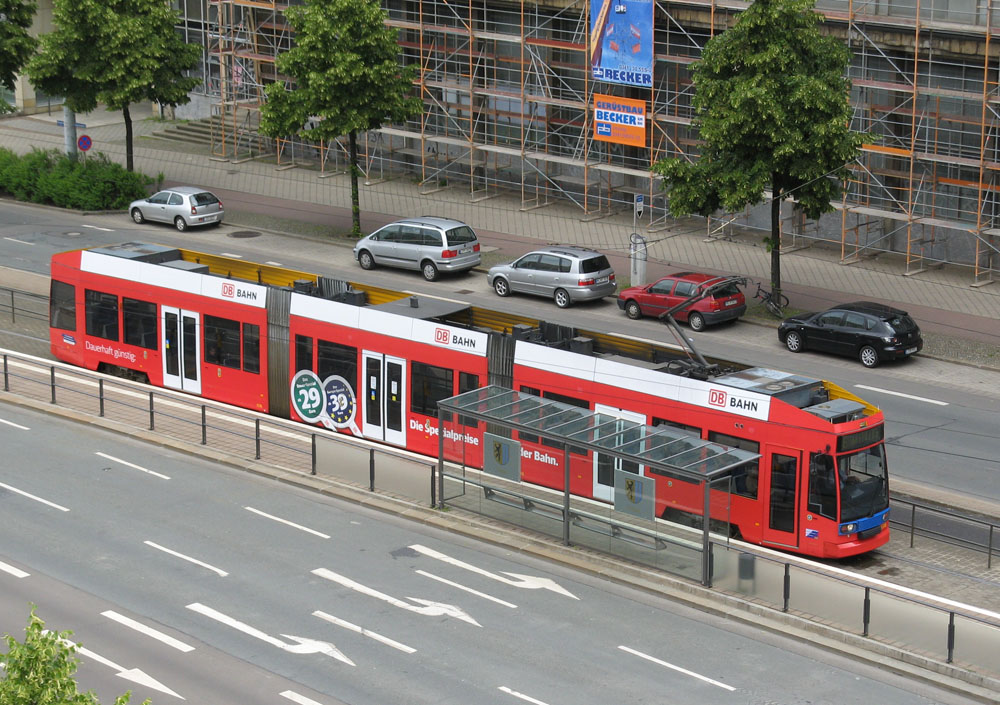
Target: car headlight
[848,528]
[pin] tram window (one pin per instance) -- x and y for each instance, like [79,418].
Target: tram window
[251,348]
[139,322]
[337,359]
[222,342]
[466,383]
[745,477]
[822,486]
[62,305]
[572,401]
[429,385]
[303,353]
[528,437]
[693,430]
[102,314]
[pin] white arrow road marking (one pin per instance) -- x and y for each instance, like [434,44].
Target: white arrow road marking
[130,465]
[16,572]
[364,632]
[430,609]
[301,645]
[686,672]
[522,696]
[189,559]
[148,631]
[529,582]
[289,523]
[37,499]
[477,593]
[131,674]
[296,698]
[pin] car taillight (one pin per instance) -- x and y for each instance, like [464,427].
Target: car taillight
[611,278]
[220,205]
[475,248]
[194,210]
[587,282]
[448,254]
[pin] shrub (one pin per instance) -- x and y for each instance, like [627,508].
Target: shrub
[94,183]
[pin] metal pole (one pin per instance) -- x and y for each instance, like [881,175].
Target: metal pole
[566,495]
[913,522]
[204,426]
[440,462]
[314,454]
[100,394]
[787,587]
[951,636]
[706,544]
[52,383]
[151,423]
[866,616]
[6,379]
[256,434]
[371,469]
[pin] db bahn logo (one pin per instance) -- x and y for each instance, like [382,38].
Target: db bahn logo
[229,291]
[442,335]
[717,397]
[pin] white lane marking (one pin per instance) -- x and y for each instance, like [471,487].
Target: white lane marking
[686,672]
[429,609]
[130,674]
[296,698]
[274,264]
[529,582]
[522,696]
[289,523]
[900,394]
[16,572]
[148,631]
[15,425]
[230,254]
[31,496]
[130,465]
[189,559]
[20,242]
[301,645]
[94,227]
[467,589]
[364,632]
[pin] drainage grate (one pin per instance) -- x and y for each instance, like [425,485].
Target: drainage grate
[244,233]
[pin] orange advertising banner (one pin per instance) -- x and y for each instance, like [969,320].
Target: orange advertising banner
[619,120]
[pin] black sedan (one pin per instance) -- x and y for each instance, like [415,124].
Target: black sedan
[868,331]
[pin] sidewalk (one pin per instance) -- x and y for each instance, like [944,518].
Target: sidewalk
[952,313]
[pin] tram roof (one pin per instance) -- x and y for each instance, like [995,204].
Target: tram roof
[663,447]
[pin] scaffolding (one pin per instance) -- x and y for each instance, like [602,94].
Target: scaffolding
[509,103]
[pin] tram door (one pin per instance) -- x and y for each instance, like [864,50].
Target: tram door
[604,464]
[180,340]
[782,498]
[384,407]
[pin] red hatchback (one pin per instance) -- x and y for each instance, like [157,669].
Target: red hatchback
[726,303]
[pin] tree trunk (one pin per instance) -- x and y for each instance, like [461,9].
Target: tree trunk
[128,138]
[355,200]
[776,197]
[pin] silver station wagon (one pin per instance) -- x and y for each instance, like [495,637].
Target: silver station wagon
[564,274]
[428,244]
[184,206]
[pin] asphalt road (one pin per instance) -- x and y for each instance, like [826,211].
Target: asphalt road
[941,417]
[188,580]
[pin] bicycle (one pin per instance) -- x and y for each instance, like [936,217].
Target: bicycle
[774,305]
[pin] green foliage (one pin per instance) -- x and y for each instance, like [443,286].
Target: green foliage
[16,44]
[40,669]
[92,184]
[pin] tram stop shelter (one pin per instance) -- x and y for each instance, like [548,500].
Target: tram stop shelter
[621,446]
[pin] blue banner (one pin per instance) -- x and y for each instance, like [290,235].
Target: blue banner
[621,41]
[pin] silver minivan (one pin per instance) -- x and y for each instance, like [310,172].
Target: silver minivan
[428,244]
[564,274]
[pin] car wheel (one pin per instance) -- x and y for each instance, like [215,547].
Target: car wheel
[366,260]
[430,271]
[794,341]
[633,311]
[696,321]
[138,217]
[562,298]
[180,223]
[501,286]
[868,356]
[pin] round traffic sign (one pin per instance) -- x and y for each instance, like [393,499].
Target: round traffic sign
[84,142]
[307,396]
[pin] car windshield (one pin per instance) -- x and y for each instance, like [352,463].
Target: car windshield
[594,264]
[863,488]
[204,198]
[461,235]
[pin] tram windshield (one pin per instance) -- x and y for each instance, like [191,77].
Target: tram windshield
[862,480]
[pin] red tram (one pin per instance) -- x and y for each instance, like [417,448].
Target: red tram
[263,337]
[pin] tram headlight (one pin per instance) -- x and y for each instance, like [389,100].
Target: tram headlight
[848,528]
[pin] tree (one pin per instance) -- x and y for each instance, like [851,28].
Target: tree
[115,52]
[40,669]
[347,78]
[771,106]
[16,44]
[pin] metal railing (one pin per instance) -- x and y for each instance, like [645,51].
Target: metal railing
[19,305]
[968,532]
